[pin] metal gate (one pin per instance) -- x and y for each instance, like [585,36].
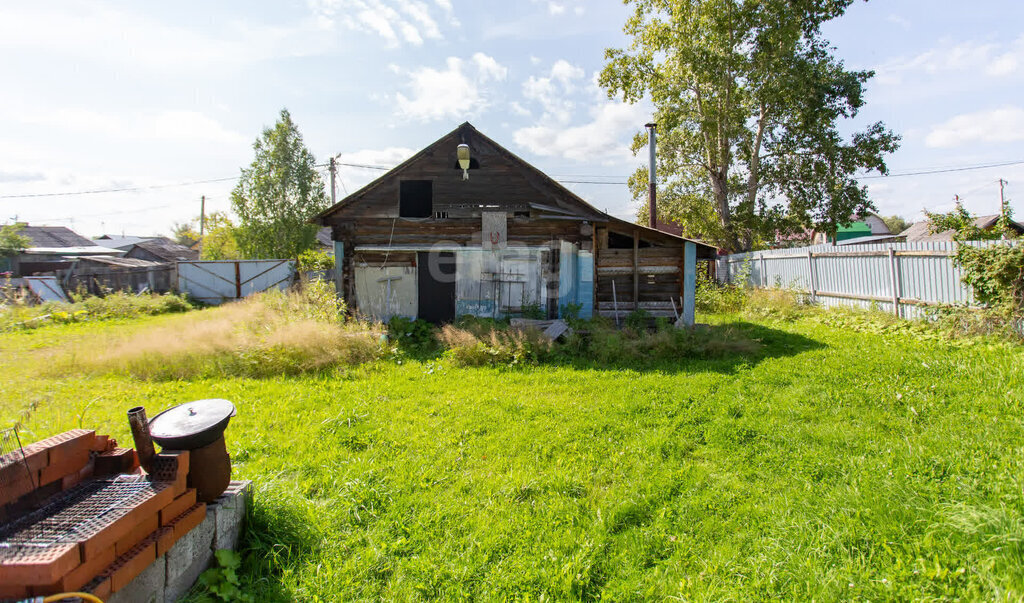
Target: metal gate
[214,282]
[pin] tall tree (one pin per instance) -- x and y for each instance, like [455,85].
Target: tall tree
[748,99]
[278,194]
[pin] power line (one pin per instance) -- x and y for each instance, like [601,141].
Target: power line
[947,170]
[118,190]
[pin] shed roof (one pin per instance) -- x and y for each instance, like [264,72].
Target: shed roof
[162,247]
[54,236]
[123,262]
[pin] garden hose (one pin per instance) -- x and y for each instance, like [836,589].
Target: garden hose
[62,596]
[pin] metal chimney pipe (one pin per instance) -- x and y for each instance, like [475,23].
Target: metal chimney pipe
[140,433]
[652,179]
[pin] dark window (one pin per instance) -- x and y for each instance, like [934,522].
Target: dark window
[416,199]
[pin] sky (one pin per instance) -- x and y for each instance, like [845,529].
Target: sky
[148,96]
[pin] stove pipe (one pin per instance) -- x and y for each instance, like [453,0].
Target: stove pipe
[652,181]
[140,433]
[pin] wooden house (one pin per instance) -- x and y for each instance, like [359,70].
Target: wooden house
[433,240]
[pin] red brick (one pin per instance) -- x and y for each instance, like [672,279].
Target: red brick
[13,591]
[69,460]
[44,567]
[12,465]
[132,564]
[68,444]
[188,520]
[178,506]
[118,460]
[120,527]
[21,486]
[143,529]
[99,587]
[164,540]
[100,443]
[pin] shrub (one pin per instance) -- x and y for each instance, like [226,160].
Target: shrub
[638,320]
[120,304]
[412,336]
[610,346]
[508,347]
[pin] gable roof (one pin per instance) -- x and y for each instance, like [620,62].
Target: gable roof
[54,236]
[921,231]
[164,248]
[467,133]
[119,242]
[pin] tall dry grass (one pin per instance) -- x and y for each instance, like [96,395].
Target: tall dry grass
[269,334]
[480,345]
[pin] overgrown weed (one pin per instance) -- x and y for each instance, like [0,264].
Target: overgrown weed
[272,333]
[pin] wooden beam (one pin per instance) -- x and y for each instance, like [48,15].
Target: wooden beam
[636,266]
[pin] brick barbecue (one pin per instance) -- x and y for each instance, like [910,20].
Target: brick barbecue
[77,513]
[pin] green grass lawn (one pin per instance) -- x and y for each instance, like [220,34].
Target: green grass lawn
[827,465]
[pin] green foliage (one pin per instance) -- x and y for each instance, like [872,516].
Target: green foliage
[719,298]
[117,305]
[12,243]
[220,241]
[221,583]
[638,320]
[278,194]
[412,336]
[828,465]
[186,233]
[480,344]
[996,274]
[315,260]
[749,102]
[896,224]
[533,311]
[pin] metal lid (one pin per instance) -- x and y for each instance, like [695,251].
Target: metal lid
[191,418]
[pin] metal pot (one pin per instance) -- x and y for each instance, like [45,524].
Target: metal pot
[199,428]
[192,424]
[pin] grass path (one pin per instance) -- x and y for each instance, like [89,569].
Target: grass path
[831,465]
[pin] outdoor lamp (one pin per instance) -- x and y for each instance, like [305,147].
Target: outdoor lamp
[463,154]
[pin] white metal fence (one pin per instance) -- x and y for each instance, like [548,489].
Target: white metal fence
[214,282]
[904,278]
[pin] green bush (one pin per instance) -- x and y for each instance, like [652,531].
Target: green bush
[638,320]
[412,336]
[18,315]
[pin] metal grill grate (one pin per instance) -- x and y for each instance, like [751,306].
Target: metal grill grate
[74,516]
[12,453]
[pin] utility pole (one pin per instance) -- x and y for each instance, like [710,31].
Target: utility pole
[1002,201]
[202,222]
[334,172]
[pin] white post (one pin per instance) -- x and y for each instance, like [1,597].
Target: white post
[894,280]
[810,269]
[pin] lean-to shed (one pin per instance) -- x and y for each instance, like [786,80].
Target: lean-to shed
[432,240]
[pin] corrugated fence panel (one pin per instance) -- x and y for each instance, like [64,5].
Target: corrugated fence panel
[924,273]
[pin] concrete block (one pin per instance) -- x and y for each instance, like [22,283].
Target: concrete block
[229,510]
[147,587]
[188,558]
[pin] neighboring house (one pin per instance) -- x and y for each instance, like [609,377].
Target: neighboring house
[54,248]
[424,241]
[324,241]
[162,249]
[866,225]
[154,249]
[922,231]
[99,274]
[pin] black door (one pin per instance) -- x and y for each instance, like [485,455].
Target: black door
[436,277]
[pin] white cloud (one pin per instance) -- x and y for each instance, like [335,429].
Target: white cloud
[556,9]
[456,91]
[1005,124]
[554,90]
[992,59]
[395,21]
[605,138]
[489,68]
[352,178]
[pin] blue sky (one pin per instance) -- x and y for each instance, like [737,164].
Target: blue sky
[101,95]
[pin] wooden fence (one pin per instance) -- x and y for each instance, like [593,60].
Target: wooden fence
[902,278]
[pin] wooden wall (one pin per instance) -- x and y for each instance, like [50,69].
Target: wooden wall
[651,275]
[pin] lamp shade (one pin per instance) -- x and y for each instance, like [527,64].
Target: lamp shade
[463,154]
